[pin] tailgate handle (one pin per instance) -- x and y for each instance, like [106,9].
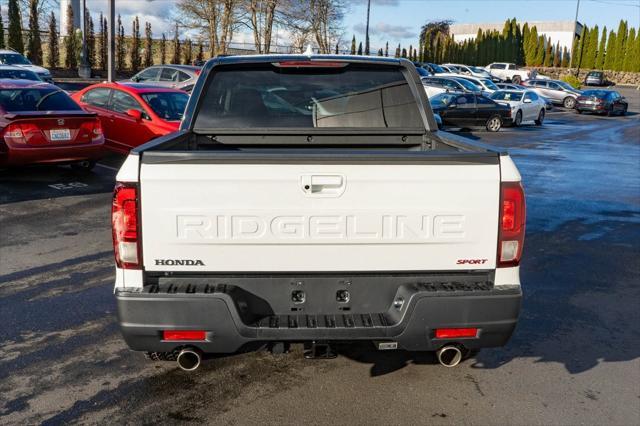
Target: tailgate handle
[321,185]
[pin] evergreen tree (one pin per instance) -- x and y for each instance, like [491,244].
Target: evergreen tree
[102,46]
[120,47]
[566,60]
[533,46]
[420,57]
[34,43]
[163,49]
[410,52]
[134,58]
[540,50]
[53,61]
[177,52]
[70,46]
[397,55]
[610,54]
[380,52]
[525,43]
[15,27]
[557,56]
[578,51]
[636,54]
[353,45]
[360,49]
[148,45]
[1,31]
[591,49]
[599,64]
[548,53]
[386,49]
[337,49]
[91,40]
[404,52]
[518,44]
[188,52]
[621,39]
[628,61]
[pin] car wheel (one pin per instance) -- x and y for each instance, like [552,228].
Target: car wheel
[518,120]
[516,79]
[569,102]
[83,166]
[540,119]
[494,123]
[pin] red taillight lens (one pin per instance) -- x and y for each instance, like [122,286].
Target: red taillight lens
[124,220]
[512,224]
[91,129]
[198,71]
[184,335]
[451,333]
[23,133]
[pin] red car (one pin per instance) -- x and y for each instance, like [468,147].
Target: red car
[133,113]
[40,123]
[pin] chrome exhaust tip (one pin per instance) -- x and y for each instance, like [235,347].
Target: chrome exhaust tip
[189,359]
[449,355]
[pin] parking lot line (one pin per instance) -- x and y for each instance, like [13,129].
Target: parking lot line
[115,169]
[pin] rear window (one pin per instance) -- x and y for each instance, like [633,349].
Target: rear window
[501,95]
[36,99]
[18,74]
[267,96]
[167,105]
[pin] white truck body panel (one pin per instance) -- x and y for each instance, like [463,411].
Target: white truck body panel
[354,217]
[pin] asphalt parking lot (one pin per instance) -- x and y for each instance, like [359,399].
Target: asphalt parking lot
[574,359]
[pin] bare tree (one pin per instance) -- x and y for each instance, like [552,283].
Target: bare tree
[217,19]
[261,14]
[319,20]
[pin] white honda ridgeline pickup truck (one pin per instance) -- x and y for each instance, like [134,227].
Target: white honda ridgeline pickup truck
[311,199]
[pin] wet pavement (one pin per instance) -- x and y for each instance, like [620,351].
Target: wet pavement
[574,359]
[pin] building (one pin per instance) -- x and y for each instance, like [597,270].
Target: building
[559,31]
[77,10]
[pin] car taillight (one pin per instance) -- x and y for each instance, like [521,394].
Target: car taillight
[198,71]
[126,229]
[92,128]
[512,224]
[23,133]
[310,64]
[176,335]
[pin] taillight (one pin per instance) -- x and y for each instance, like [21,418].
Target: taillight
[184,335]
[92,129]
[451,333]
[310,64]
[126,229]
[198,71]
[23,133]
[512,224]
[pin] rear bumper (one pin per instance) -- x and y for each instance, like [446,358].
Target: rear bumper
[591,107]
[12,156]
[228,314]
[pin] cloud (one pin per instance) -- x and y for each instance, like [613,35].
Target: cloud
[384,30]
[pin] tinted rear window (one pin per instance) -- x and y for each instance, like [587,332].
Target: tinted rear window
[36,99]
[346,97]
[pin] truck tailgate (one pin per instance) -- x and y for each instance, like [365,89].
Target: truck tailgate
[318,217]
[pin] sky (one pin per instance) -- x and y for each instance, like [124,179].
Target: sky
[399,21]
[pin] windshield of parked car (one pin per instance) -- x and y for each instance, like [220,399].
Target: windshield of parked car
[442,100]
[503,95]
[18,74]
[479,70]
[36,99]
[490,84]
[594,74]
[331,95]
[468,85]
[13,59]
[596,93]
[437,68]
[167,105]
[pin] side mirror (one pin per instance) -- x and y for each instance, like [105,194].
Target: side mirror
[135,79]
[136,114]
[527,101]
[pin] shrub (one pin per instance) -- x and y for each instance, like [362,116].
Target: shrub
[572,80]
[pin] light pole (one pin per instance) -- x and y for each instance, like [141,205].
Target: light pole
[111,74]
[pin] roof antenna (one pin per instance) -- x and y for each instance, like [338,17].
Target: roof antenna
[309,50]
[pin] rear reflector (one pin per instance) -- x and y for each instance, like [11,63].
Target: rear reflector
[450,333]
[512,224]
[184,335]
[124,220]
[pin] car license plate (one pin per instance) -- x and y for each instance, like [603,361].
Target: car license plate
[60,134]
[588,102]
